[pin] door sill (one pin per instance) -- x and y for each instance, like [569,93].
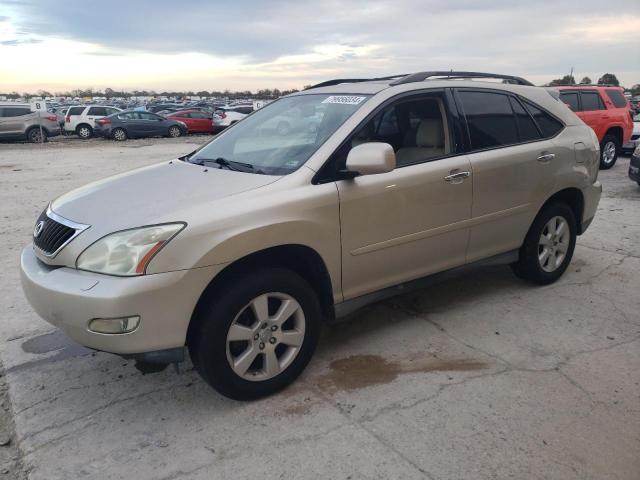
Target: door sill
[347,307]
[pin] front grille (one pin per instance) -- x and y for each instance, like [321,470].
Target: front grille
[52,235]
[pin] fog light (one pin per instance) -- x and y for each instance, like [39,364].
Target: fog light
[114,325]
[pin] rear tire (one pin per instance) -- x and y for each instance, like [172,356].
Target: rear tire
[548,247]
[119,134]
[85,132]
[33,135]
[609,151]
[247,352]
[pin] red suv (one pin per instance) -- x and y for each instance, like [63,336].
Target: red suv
[606,111]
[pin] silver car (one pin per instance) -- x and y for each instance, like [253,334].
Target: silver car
[18,122]
[240,250]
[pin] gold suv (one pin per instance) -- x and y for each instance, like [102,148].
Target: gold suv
[239,250]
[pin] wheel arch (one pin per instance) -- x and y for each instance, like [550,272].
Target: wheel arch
[616,132]
[574,198]
[301,259]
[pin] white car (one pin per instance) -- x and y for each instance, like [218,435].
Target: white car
[81,119]
[634,141]
[225,116]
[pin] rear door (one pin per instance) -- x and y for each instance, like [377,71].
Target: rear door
[94,113]
[200,121]
[513,168]
[593,112]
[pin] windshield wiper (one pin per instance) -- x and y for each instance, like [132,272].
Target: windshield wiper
[228,164]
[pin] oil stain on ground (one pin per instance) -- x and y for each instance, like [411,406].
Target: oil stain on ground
[55,341]
[360,371]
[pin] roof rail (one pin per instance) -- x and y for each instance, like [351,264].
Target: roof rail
[337,81]
[586,85]
[421,76]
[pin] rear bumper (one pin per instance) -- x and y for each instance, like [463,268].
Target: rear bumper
[70,299]
[592,196]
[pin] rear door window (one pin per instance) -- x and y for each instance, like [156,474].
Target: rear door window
[591,101]
[75,111]
[527,129]
[571,99]
[97,111]
[490,120]
[616,97]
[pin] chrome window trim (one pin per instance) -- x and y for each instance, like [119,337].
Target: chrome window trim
[78,227]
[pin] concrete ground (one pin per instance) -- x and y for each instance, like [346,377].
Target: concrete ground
[480,377]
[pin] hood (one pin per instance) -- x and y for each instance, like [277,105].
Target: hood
[154,194]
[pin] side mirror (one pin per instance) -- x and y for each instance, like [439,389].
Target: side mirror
[371,158]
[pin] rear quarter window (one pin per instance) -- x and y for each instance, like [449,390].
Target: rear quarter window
[616,97]
[548,125]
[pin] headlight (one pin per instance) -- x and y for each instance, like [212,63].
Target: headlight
[127,253]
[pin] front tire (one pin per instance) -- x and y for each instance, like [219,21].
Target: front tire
[258,335]
[548,247]
[609,151]
[174,132]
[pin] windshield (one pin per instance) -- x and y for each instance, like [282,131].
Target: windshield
[282,136]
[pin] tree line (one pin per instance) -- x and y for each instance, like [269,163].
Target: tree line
[265,93]
[606,79]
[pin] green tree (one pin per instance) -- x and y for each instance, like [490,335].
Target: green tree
[608,79]
[566,80]
[585,81]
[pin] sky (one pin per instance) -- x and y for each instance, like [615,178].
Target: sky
[251,44]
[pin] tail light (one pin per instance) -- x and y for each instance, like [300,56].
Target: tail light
[222,115]
[51,118]
[103,121]
[67,119]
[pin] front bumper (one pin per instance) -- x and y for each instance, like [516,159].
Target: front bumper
[634,168]
[70,298]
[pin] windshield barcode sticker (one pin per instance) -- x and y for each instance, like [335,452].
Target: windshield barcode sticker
[344,99]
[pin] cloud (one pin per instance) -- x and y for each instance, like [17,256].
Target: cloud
[14,42]
[310,40]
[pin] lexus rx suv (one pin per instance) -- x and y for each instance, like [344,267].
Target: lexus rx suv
[238,251]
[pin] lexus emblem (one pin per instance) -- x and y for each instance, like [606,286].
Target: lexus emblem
[37,230]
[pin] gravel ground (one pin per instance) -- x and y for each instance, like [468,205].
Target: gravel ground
[479,377]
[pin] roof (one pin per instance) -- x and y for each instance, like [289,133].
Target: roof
[431,78]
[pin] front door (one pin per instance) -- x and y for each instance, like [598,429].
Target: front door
[410,222]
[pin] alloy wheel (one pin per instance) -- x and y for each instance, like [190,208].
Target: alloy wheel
[265,337]
[174,132]
[553,244]
[120,135]
[609,152]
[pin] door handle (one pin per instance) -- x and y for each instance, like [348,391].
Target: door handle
[546,157]
[457,177]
